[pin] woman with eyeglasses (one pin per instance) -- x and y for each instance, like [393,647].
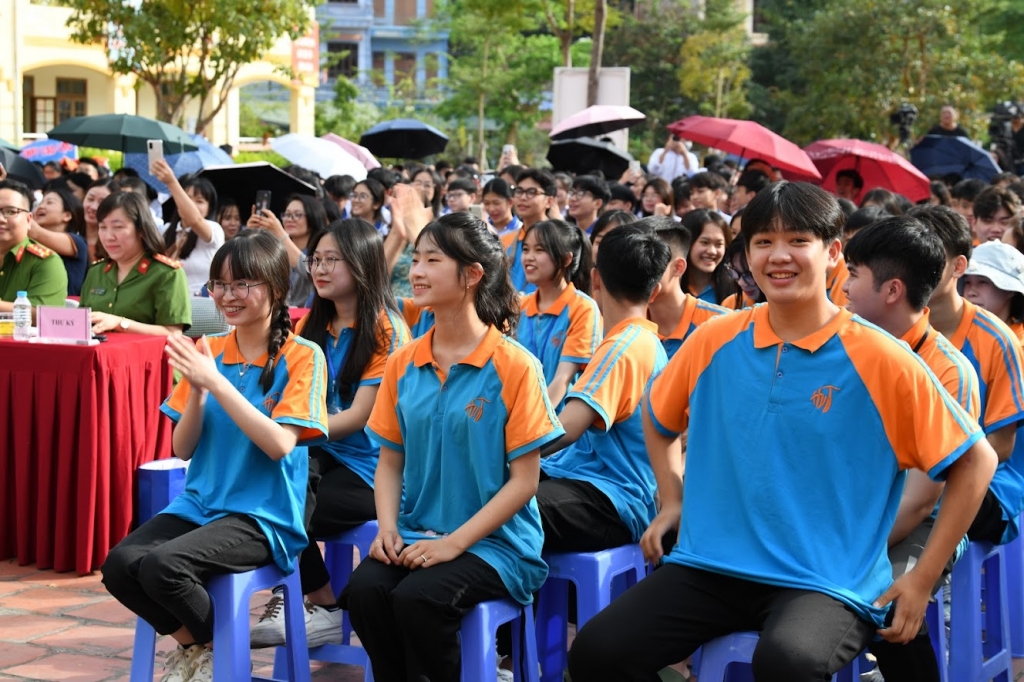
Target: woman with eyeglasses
[303,219]
[367,201]
[248,405]
[737,267]
[355,320]
[135,288]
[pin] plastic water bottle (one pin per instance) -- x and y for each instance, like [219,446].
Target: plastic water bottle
[22,316]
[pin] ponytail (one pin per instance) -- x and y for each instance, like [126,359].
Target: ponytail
[280,327]
[560,239]
[582,262]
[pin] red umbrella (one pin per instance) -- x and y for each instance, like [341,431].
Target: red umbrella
[596,120]
[878,165]
[748,140]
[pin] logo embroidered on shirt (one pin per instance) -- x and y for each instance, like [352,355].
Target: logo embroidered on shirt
[557,340]
[271,401]
[822,398]
[475,409]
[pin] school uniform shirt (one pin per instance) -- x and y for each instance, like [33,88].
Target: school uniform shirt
[458,434]
[614,460]
[420,320]
[707,295]
[995,352]
[356,451]
[733,302]
[228,473]
[695,313]
[835,281]
[31,267]
[777,500]
[513,242]
[514,225]
[951,367]
[568,331]
[154,292]
[1018,329]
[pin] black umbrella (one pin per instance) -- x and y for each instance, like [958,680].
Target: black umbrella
[21,169]
[586,155]
[124,132]
[241,182]
[404,138]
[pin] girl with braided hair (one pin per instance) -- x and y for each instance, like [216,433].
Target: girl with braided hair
[248,405]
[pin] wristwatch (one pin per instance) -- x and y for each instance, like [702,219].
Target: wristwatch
[123,324]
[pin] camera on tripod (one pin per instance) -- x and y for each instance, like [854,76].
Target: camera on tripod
[1000,130]
[904,118]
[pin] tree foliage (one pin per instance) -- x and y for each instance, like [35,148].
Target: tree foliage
[187,50]
[714,63]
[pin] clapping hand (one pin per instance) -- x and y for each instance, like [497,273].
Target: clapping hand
[193,360]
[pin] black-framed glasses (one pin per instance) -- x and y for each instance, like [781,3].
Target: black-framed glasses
[293,216]
[738,276]
[531,193]
[578,194]
[9,212]
[239,290]
[312,263]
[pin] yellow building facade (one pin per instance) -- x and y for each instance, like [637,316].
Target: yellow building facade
[45,78]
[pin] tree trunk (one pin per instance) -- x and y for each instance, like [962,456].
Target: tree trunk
[570,21]
[596,52]
[480,107]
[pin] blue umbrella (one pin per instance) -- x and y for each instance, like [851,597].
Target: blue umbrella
[43,151]
[404,138]
[937,155]
[181,164]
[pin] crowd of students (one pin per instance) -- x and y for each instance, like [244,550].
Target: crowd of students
[540,376]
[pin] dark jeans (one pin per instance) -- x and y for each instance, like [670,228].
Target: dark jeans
[805,636]
[914,661]
[988,524]
[577,517]
[337,500]
[159,570]
[409,621]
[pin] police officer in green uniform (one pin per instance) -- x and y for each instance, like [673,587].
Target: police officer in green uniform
[136,288]
[24,264]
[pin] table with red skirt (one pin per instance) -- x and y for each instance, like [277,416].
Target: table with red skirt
[76,422]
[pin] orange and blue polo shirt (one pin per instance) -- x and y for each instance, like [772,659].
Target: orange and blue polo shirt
[513,243]
[356,451]
[733,302]
[995,352]
[951,367]
[615,459]
[458,434]
[568,331]
[420,320]
[248,482]
[695,313]
[835,281]
[778,500]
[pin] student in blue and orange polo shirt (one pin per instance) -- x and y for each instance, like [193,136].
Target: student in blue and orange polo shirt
[560,324]
[354,319]
[534,196]
[783,525]
[461,416]
[600,493]
[894,265]
[419,320]
[995,353]
[676,312]
[248,404]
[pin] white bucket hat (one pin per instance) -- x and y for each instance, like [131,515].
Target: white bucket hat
[1000,263]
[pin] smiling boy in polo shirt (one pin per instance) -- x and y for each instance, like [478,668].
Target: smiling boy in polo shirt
[784,521]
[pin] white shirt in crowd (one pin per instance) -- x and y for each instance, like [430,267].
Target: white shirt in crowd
[672,166]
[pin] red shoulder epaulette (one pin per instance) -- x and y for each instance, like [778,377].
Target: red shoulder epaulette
[39,250]
[167,261]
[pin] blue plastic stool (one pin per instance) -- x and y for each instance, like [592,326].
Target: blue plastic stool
[599,577]
[338,556]
[479,640]
[970,658]
[716,659]
[1015,588]
[160,482]
[933,617]
[232,661]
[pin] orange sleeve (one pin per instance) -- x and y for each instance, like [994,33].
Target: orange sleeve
[613,383]
[531,422]
[394,335]
[1001,363]
[303,402]
[301,324]
[584,333]
[383,421]
[410,311]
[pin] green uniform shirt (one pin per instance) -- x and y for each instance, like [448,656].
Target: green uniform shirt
[36,269]
[154,292]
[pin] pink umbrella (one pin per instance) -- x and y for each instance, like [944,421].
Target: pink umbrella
[363,154]
[595,121]
[879,166]
[748,140]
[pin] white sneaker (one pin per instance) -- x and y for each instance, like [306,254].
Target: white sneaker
[269,631]
[322,626]
[179,664]
[203,671]
[505,675]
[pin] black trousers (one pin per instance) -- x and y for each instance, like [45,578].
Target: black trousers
[409,621]
[337,499]
[805,636]
[988,524]
[577,517]
[160,569]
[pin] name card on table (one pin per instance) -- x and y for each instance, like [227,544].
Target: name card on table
[63,325]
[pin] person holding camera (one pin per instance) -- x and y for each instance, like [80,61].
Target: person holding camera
[673,160]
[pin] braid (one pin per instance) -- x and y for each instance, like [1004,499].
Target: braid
[280,326]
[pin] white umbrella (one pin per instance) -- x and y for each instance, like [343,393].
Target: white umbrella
[319,155]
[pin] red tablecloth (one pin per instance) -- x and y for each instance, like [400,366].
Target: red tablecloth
[75,424]
[297,314]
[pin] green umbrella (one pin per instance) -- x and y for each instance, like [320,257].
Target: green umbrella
[122,132]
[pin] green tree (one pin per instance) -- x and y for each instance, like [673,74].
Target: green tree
[187,50]
[714,69]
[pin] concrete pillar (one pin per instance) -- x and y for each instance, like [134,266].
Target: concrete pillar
[421,68]
[389,68]
[303,103]
[11,123]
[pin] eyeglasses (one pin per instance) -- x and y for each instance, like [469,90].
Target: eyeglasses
[9,212]
[531,193]
[578,194]
[239,290]
[738,276]
[312,263]
[361,197]
[454,195]
[293,216]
